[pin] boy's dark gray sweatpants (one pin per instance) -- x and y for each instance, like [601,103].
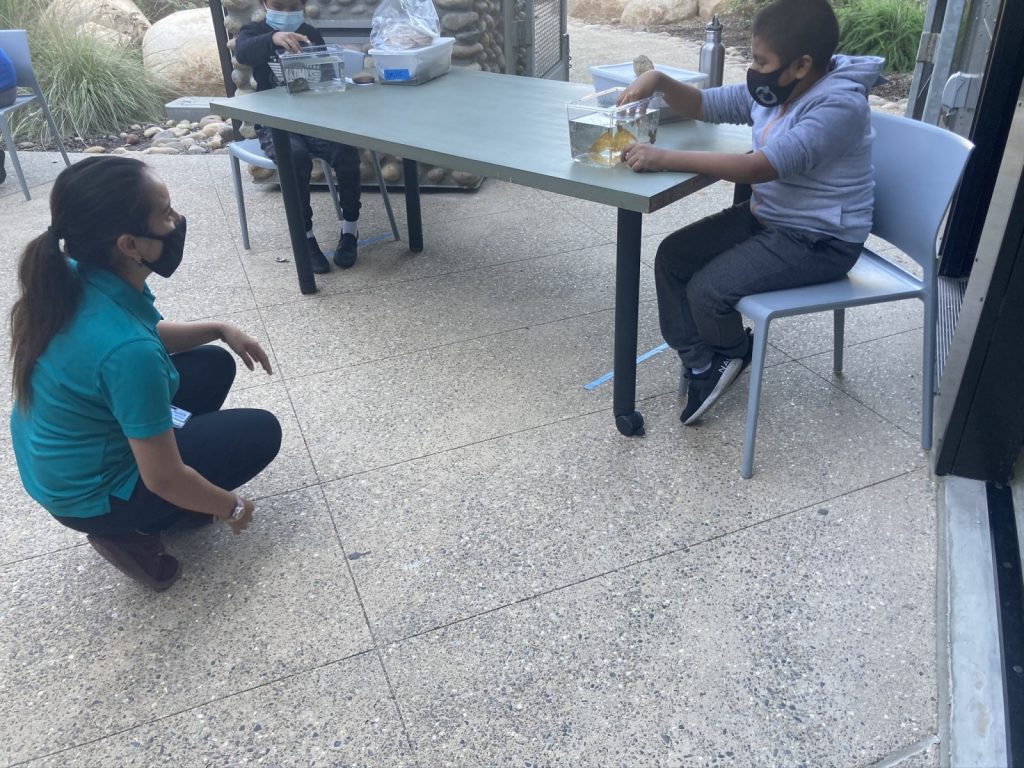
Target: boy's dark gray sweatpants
[341,157]
[703,270]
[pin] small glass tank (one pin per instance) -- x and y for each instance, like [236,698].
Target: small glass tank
[599,129]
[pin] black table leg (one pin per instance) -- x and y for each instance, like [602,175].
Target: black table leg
[410,175]
[293,210]
[627,306]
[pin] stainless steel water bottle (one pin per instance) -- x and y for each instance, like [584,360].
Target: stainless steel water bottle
[712,52]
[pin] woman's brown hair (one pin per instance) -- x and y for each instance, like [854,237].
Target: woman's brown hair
[93,202]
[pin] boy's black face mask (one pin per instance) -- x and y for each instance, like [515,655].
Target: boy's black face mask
[765,88]
[172,252]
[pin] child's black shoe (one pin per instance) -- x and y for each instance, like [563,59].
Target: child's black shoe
[345,254]
[706,388]
[316,257]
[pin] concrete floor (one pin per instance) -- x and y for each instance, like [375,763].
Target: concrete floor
[456,560]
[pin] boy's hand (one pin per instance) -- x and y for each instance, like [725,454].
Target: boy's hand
[290,41]
[644,157]
[640,88]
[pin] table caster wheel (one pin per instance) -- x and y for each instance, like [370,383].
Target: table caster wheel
[630,424]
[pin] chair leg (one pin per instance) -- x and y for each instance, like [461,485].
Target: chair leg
[928,384]
[760,343]
[385,196]
[53,130]
[329,178]
[12,150]
[236,175]
[838,333]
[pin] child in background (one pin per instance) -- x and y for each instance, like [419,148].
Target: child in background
[258,43]
[812,180]
[8,93]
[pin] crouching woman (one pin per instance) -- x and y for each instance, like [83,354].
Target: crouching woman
[117,427]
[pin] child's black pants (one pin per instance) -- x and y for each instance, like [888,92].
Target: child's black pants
[704,269]
[341,157]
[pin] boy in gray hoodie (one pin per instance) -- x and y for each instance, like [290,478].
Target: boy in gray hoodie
[812,180]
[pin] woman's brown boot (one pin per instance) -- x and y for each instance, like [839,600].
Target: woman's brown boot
[140,556]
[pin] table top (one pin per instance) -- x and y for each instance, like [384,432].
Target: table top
[500,126]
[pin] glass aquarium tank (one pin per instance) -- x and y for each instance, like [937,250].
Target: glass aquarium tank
[600,128]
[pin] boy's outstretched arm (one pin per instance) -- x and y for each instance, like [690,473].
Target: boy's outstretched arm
[254,46]
[684,99]
[749,168]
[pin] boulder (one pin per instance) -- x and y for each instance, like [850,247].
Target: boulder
[639,13]
[181,51]
[597,10]
[106,34]
[116,20]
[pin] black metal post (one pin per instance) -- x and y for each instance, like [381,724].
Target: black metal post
[293,210]
[410,175]
[627,307]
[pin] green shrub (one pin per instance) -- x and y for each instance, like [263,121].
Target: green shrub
[91,85]
[888,28]
[746,9]
[19,14]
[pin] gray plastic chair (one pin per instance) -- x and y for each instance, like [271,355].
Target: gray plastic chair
[917,170]
[15,45]
[250,152]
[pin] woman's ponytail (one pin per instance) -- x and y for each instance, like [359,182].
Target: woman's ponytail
[50,292]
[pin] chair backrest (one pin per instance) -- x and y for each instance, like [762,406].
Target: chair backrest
[917,169]
[15,45]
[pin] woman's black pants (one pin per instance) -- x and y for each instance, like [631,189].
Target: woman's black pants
[228,448]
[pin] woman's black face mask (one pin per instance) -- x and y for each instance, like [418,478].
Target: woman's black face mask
[172,252]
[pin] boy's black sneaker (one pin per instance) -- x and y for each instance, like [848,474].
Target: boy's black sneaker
[345,254]
[705,389]
[316,257]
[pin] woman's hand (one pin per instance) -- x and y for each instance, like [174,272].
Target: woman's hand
[246,347]
[239,525]
[644,157]
[290,41]
[641,88]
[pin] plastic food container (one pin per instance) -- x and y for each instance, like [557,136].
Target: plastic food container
[414,66]
[317,68]
[610,75]
[599,130]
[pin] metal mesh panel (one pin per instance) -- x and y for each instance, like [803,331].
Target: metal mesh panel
[547,36]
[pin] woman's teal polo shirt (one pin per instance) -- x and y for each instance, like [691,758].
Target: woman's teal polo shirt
[103,379]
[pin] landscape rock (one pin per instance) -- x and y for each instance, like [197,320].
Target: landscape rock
[181,51]
[116,20]
[639,13]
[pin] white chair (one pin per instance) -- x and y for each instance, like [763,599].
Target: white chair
[917,169]
[15,45]
[249,151]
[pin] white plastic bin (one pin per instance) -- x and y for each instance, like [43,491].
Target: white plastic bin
[416,65]
[607,76]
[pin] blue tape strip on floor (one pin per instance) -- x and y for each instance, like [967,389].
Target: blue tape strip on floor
[611,374]
[375,238]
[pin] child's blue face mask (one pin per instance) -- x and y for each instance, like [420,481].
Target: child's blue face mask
[285,21]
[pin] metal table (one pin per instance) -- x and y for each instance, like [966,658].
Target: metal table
[503,127]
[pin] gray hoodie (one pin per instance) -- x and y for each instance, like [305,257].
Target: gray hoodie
[820,146]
